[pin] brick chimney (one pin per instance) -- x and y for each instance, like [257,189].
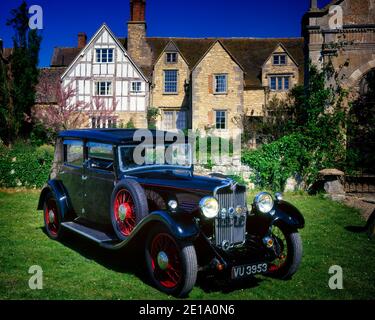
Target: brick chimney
[313,5]
[138,48]
[82,40]
[137,10]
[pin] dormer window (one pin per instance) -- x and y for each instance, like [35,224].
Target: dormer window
[279,59]
[104,55]
[171,57]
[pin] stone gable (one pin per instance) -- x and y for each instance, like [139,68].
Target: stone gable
[205,101]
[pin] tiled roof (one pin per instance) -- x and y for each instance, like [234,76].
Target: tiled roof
[251,53]
[63,57]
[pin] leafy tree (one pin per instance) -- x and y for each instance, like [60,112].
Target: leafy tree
[317,134]
[361,130]
[19,76]
[67,112]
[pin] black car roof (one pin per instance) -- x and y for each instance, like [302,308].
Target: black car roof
[116,136]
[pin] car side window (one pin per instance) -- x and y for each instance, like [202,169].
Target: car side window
[73,153]
[100,156]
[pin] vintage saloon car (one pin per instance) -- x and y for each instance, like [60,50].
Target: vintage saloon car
[184,222]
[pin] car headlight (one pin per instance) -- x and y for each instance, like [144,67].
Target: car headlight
[209,207]
[263,202]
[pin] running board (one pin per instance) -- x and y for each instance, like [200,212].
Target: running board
[104,239]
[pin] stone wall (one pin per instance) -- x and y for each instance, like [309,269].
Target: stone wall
[254,100]
[139,119]
[235,168]
[351,47]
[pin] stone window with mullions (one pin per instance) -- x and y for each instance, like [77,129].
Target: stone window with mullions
[221,119]
[221,83]
[174,120]
[170,81]
[279,83]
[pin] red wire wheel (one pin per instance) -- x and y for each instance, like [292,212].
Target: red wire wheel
[289,247]
[52,218]
[124,210]
[165,261]
[171,263]
[129,206]
[283,250]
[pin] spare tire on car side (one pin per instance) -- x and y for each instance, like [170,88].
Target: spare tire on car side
[128,207]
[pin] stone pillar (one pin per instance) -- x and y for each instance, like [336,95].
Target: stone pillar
[333,183]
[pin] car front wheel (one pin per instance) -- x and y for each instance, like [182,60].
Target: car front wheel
[289,247]
[172,264]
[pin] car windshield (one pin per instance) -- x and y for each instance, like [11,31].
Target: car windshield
[174,155]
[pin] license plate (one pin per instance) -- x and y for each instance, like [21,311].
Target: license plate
[244,271]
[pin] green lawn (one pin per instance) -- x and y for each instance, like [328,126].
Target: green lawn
[77,269]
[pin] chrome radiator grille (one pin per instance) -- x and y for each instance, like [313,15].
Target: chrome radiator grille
[230,225]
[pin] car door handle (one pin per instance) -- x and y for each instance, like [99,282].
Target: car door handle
[84,178]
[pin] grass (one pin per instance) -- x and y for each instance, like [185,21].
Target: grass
[78,269]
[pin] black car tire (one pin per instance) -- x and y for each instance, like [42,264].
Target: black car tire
[137,207]
[294,254]
[183,263]
[52,218]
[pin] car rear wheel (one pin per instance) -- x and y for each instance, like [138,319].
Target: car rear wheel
[52,218]
[128,207]
[289,248]
[172,264]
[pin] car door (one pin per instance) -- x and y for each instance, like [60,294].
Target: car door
[72,172]
[99,183]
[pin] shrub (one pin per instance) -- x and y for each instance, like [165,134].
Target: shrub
[130,124]
[152,115]
[277,161]
[25,165]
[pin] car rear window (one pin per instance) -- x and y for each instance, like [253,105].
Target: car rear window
[73,152]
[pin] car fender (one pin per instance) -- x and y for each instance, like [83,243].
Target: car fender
[58,190]
[182,227]
[289,215]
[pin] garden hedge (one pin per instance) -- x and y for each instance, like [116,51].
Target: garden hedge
[25,166]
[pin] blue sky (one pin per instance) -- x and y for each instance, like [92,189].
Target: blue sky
[178,18]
